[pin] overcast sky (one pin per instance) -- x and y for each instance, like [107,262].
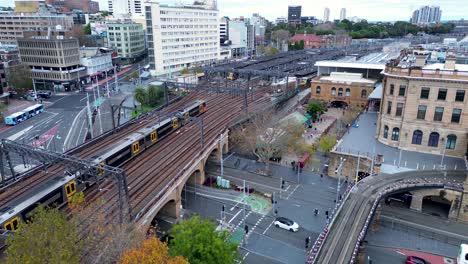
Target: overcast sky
[372,10]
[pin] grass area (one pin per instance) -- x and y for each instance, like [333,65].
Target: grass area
[138,112]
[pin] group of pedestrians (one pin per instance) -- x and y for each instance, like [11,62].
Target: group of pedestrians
[296,166]
[317,212]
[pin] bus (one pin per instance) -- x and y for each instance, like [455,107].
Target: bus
[16,118]
[34,110]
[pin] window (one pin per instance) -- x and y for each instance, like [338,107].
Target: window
[399,109]
[389,108]
[421,112]
[348,92]
[402,90]
[442,94]
[333,91]
[392,89]
[317,90]
[433,140]
[417,137]
[340,92]
[456,114]
[363,93]
[395,133]
[460,96]
[451,142]
[425,93]
[385,132]
[439,112]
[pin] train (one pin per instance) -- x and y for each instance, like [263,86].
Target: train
[57,191]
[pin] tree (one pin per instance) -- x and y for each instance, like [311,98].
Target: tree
[151,251]
[197,69]
[271,50]
[199,242]
[47,238]
[141,95]
[261,48]
[155,95]
[104,13]
[184,71]
[280,36]
[19,78]
[315,109]
[134,75]
[327,142]
[87,29]
[3,108]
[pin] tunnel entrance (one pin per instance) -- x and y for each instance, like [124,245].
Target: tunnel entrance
[436,206]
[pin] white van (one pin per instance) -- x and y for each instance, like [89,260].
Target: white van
[463,256]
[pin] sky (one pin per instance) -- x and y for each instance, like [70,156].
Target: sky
[372,10]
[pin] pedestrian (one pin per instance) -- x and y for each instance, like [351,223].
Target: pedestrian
[316,211]
[276,211]
[326,213]
[340,197]
[321,176]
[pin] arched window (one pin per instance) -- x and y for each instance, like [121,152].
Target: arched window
[385,132]
[340,92]
[363,93]
[318,90]
[395,133]
[451,142]
[433,140]
[417,137]
[348,92]
[333,91]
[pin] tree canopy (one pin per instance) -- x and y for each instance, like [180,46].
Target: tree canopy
[19,78]
[199,242]
[151,96]
[327,142]
[47,238]
[151,251]
[315,109]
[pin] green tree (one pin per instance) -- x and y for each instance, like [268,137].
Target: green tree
[261,48]
[271,50]
[135,75]
[141,95]
[197,69]
[199,242]
[3,108]
[87,29]
[315,109]
[48,238]
[104,13]
[184,71]
[19,77]
[155,95]
[327,142]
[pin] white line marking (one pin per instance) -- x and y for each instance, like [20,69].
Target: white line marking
[71,129]
[287,198]
[50,141]
[401,253]
[287,188]
[19,134]
[232,208]
[245,255]
[235,216]
[268,227]
[333,188]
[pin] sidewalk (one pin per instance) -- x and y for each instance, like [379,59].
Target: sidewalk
[324,122]
[104,122]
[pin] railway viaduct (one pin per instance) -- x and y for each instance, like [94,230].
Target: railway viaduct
[167,202]
[340,241]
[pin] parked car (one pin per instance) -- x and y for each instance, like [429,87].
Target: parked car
[247,189]
[415,260]
[285,223]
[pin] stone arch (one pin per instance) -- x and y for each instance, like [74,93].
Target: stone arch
[169,212]
[438,205]
[214,156]
[195,178]
[225,148]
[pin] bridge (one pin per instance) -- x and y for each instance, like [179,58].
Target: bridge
[341,239]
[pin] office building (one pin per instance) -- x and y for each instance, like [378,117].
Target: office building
[424,106]
[350,88]
[294,14]
[223,30]
[343,14]
[126,8]
[54,60]
[281,20]
[426,15]
[181,36]
[326,15]
[16,24]
[127,38]
[97,63]
[259,23]
[311,20]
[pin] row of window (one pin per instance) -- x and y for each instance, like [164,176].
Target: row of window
[187,26]
[421,114]
[185,33]
[426,91]
[318,90]
[187,13]
[190,58]
[184,46]
[175,40]
[188,20]
[433,140]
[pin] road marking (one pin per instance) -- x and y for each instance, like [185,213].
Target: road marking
[297,205]
[235,216]
[258,222]
[400,253]
[50,141]
[19,134]
[329,187]
[268,227]
[232,208]
[60,120]
[292,192]
[245,255]
[287,188]
[71,129]
[79,135]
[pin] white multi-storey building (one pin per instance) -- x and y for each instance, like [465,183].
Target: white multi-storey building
[126,8]
[326,14]
[343,14]
[181,36]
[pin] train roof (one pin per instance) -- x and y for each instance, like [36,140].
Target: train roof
[26,200]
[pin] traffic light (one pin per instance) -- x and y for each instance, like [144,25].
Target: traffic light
[224,208]
[246,229]
[282,184]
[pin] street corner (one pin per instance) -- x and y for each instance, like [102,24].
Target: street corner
[429,257]
[257,204]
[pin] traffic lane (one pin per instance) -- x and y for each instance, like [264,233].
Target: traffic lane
[383,255]
[251,257]
[71,101]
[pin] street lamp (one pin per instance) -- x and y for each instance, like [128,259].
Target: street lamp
[443,151]
[339,170]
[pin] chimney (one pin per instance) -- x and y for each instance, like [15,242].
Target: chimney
[449,63]
[420,60]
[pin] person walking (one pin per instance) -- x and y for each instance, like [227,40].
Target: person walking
[316,211]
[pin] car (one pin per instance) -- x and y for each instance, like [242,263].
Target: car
[415,260]
[285,223]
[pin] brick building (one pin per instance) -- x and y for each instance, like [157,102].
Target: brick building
[311,41]
[424,107]
[350,88]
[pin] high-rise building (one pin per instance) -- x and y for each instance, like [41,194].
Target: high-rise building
[426,15]
[126,8]
[127,38]
[181,36]
[259,23]
[294,14]
[223,30]
[326,14]
[343,14]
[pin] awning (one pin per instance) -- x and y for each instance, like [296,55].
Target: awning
[308,116]
[377,93]
[294,117]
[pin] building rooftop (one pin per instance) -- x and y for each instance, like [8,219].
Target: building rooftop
[305,37]
[350,65]
[440,66]
[346,77]
[361,140]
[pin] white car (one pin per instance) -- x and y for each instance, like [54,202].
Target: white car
[285,223]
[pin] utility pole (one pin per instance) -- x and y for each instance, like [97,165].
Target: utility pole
[357,168]
[115,75]
[90,120]
[221,152]
[338,187]
[107,86]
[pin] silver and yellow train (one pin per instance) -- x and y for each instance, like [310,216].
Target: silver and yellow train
[57,191]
